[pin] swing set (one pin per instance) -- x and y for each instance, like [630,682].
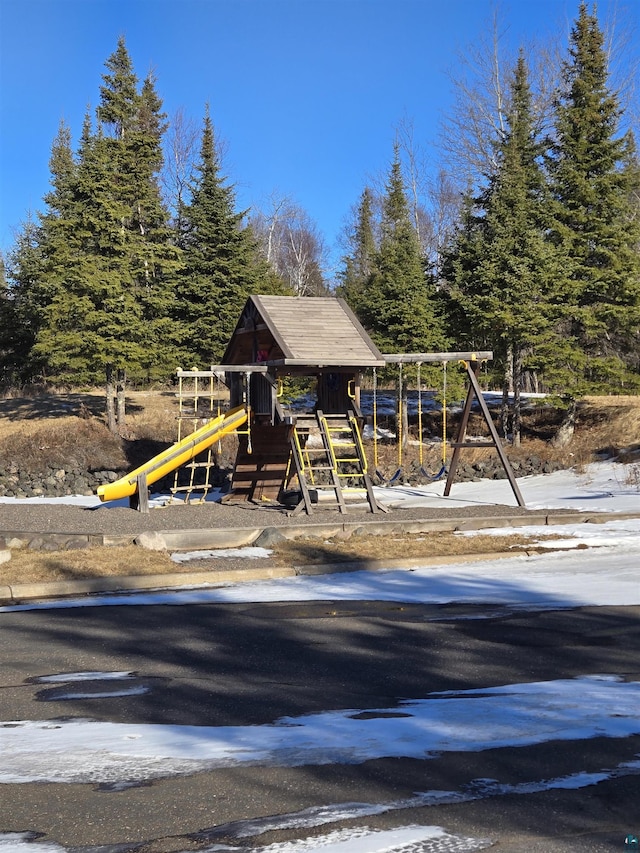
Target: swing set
[472,362]
[402,409]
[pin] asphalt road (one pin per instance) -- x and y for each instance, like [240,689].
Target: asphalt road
[253,663]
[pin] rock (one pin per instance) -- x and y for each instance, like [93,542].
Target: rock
[269,536]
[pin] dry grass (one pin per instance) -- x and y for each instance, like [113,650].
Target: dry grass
[152,415]
[70,442]
[610,425]
[37,566]
[69,430]
[313,551]
[28,566]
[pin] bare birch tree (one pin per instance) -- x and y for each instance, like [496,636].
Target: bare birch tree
[292,244]
[181,147]
[433,198]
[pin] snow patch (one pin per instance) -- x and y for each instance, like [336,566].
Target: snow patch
[516,715]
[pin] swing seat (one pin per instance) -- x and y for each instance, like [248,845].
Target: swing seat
[380,476]
[434,477]
[387,481]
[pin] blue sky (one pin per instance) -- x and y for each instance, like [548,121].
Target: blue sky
[306,94]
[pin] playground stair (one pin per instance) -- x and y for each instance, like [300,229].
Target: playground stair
[327,452]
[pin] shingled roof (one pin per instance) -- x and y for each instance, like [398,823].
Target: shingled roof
[301,331]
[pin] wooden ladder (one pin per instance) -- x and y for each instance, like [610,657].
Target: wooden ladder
[340,456]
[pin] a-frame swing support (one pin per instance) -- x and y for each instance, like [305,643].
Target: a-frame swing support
[472,362]
[475,392]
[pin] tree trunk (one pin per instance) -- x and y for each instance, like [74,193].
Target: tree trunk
[110,407]
[507,387]
[567,428]
[504,409]
[516,424]
[120,390]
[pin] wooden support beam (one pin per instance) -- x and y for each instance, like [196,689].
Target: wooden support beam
[436,357]
[221,369]
[475,392]
[140,498]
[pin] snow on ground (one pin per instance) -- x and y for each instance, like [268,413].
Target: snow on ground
[515,715]
[404,839]
[600,487]
[606,576]
[250,552]
[89,675]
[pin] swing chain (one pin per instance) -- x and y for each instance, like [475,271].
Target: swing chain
[421,455]
[248,407]
[444,414]
[375,419]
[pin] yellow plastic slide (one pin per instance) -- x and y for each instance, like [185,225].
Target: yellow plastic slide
[173,457]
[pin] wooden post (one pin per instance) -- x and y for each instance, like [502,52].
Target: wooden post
[475,391]
[140,498]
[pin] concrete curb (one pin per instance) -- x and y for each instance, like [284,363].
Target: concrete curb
[22,593]
[188,540]
[199,539]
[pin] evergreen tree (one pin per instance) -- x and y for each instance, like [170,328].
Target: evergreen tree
[222,266]
[398,306]
[359,264]
[594,173]
[24,307]
[107,248]
[505,269]
[460,263]
[133,127]
[397,303]
[62,258]
[32,283]
[90,305]
[7,328]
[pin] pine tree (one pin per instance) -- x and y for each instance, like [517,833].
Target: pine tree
[222,266]
[133,126]
[505,297]
[40,260]
[7,328]
[459,267]
[594,173]
[398,305]
[107,247]
[24,306]
[92,319]
[358,265]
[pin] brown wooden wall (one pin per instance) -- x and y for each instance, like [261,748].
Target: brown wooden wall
[333,392]
[261,473]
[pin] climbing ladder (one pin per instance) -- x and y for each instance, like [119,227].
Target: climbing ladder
[198,401]
[331,462]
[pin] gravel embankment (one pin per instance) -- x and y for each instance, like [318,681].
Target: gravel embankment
[66,518]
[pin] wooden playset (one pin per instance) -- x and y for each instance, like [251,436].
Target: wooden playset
[322,451]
